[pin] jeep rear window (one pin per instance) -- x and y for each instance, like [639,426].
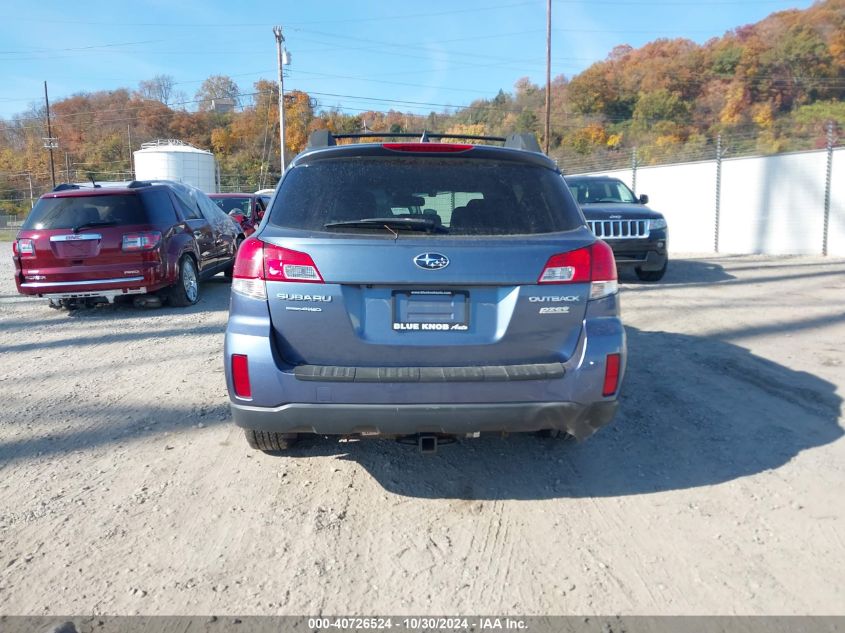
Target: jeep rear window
[465,197]
[74,211]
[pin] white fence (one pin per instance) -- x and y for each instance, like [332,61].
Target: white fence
[768,204]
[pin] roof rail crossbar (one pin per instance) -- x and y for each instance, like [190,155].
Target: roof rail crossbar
[522,141]
[420,136]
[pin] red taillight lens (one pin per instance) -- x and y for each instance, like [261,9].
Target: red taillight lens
[249,262]
[427,147]
[24,249]
[592,263]
[258,261]
[603,264]
[282,264]
[567,268]
[611,375]
[240,376]
[146,241]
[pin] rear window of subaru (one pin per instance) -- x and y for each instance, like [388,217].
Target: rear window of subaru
[78,211]
[476,197]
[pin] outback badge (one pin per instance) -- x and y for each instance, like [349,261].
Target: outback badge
[431,261]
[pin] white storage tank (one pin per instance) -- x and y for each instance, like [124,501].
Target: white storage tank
[169,159]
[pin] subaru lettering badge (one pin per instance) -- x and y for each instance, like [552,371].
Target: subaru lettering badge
[431,261]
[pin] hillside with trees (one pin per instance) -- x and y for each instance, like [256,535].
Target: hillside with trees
[769,87]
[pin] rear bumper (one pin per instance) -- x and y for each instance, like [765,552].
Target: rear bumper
[566,395]
[107,288]
[576,419]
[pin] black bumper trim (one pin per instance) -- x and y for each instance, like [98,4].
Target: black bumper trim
[491,373]
[580,420]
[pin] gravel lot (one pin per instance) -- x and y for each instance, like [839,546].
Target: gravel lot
[718,490]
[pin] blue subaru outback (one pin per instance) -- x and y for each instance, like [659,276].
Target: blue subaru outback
[425,290]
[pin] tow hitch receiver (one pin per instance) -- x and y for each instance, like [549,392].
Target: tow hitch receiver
[427,444]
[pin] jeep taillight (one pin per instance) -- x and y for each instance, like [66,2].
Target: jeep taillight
[258,262]
[25,249]
[592,264]
[146,241]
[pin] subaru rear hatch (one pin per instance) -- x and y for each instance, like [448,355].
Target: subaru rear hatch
[425,260]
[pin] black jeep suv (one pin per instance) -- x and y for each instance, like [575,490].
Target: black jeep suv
[637,235]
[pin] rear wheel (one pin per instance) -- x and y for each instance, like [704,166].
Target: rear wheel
[267,441]
[186,290]
[652,275]
[555,434]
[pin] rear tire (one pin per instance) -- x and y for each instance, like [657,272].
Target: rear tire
[555,434]
[652,275]
[186,291]
[267,441]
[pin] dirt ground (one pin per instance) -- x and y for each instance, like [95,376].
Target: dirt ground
[719,488]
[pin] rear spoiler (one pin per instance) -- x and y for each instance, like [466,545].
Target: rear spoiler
[324,138]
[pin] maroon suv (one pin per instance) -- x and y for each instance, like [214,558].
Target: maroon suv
[83,244]
[247,209]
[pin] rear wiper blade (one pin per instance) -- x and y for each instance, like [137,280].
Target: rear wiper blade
[408,224]
[86,225]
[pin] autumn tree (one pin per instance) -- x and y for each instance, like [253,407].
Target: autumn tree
[159,88]
[216,87]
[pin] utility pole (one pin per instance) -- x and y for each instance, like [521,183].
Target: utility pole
[635,162]
[718,192]
[548,71]
[50,142]
[31,196]
[129,137]
[277,31]
[827,185]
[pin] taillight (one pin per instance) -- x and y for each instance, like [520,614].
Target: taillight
[25,249]
[593,264]
[145,241]
[248,273]
[427,147]
[258,261]
[282,264]
[567,268]
[240,376]
[611,375]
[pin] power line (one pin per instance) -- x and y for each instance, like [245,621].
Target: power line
[79,48]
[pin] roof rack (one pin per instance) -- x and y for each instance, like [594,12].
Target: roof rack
[526,142]
[65,186]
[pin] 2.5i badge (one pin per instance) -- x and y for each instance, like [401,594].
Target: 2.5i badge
[555,310]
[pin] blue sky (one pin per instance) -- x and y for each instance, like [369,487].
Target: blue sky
[356,55]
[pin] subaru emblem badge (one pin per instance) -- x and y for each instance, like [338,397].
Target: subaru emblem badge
[431,261]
